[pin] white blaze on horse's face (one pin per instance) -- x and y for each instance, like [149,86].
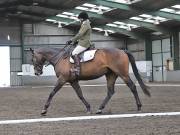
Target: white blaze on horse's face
[38,65]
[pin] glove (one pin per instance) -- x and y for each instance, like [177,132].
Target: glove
[69,42]
[75,43]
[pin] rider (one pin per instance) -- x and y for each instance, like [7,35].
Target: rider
[83,39]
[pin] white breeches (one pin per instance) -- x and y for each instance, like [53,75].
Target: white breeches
[78,49]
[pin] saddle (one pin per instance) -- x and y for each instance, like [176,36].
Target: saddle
[85,56]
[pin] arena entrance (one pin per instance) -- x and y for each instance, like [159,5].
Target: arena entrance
[4,67]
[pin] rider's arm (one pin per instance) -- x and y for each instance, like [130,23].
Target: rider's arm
[83,29]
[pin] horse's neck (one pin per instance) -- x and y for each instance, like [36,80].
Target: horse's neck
[53,56]
[60,54]
[50,54]
[47,53]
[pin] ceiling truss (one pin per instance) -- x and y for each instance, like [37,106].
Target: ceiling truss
[48,10]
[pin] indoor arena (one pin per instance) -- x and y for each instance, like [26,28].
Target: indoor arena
[89,67]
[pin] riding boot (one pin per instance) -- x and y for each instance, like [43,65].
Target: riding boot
[76,65]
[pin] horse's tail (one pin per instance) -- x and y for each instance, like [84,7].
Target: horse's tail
[137,75]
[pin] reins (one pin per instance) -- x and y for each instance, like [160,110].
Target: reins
[63,49]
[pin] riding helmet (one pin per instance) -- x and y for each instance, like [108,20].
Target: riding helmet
[83,15]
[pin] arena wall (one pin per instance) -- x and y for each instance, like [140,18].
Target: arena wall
[22,37]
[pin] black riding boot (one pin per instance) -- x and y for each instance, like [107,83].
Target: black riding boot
[76,69]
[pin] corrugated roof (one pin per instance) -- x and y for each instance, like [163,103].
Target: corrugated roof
[114,16]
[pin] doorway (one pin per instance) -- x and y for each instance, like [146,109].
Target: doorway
[161,52]
[4,67]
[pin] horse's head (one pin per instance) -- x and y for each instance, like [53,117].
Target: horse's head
[38,62]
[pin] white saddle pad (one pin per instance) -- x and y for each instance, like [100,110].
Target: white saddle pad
[85,56]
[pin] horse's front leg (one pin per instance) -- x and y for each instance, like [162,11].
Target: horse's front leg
[79,93]
[57,87]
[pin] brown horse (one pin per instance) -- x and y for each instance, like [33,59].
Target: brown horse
[110,62]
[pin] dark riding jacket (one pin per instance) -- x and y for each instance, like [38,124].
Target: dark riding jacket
[83,36]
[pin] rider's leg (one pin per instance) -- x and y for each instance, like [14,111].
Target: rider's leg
[76,64]
[76,58]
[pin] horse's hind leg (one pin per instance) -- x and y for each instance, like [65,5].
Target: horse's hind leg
[111,79]
[78,91]
[132,86]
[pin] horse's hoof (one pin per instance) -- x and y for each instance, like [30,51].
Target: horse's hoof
[88,112]
[43,112]
[99,112]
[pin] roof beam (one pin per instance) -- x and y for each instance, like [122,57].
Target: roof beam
[139,23]
[113,5]
[7,3]
[37,10]
[26,16]
[67,21]
[135,10]
[63,19]
[167,15]
[118,30]
[154,5]
[60,4]
[116,5]
[124,32]
[138,11]
[130,9]
[153,27]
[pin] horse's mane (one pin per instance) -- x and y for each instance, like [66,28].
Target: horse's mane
[57,53]
[48,50]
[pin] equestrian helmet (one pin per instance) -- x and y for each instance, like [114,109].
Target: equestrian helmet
[83,15]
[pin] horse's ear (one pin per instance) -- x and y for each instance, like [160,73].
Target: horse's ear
[32,51]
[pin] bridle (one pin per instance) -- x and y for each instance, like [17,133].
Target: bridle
[37,66]
[53,60]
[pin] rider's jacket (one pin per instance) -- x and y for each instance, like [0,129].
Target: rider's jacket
[83,36]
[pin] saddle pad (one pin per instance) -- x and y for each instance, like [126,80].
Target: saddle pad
[85,56]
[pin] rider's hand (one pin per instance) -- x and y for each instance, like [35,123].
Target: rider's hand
[69,42]
[75,43]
